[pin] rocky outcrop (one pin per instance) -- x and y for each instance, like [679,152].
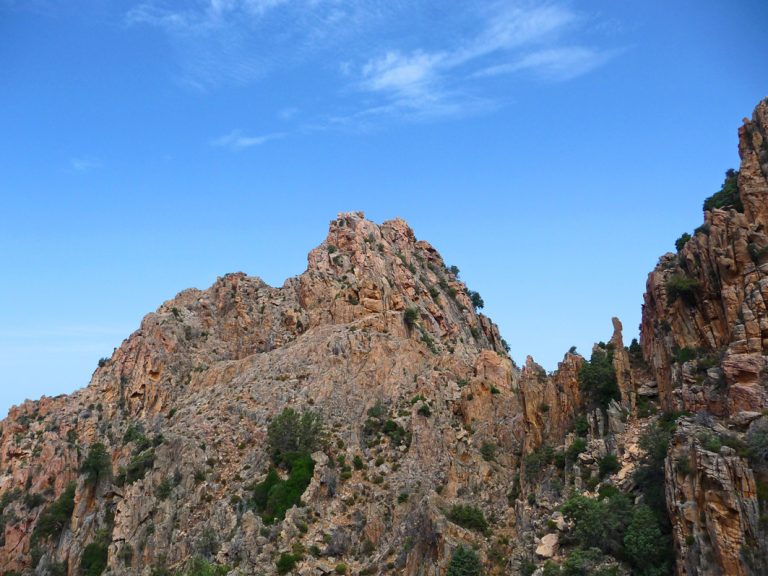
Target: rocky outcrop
[623,368]
[430,430]
[710,298]
[183,406]
[712,495]
[704,333]
[550,402]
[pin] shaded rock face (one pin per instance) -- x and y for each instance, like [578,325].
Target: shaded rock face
[551,403]
[704,334]
[714,506]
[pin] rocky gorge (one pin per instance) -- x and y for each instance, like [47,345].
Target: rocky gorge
[366,418]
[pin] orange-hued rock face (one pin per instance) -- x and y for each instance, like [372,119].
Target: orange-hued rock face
[725,313]
[203,376]
[707,350]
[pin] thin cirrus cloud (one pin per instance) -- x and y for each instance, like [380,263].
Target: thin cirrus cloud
[513,40]
[236,140]
[555,64]
[84,164]
[380,57]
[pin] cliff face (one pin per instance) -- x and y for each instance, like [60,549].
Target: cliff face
[705,334]
[182,408]
[710,298]
[433,438]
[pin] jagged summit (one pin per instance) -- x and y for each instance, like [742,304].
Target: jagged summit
[376,319]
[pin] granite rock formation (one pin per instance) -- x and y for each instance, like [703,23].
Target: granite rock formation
[433,439]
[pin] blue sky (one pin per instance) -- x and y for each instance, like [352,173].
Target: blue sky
[551,150]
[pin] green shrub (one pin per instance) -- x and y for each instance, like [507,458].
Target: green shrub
[684,354]
[139,465]
[377,410]
[289,433]
[340,569]
[644,542]
[97,465]
[357,462]
[682,241]
[402,497]
[682,287]
[94,559]
[165,488]
[464,562]
[57,569]
[488,451]
[597,378]
[134,433]
[410,316]
[396,433]
[274,497]
[578,446]
[728,196]
[469,517]
[636,352]
[710,441]
[201,567]
[580,425]
[31,501]
[608,465]
[527,568]
[286,563]
[600,522]
[536,461]
[683,466]
[56,517]
[477,300]
[649,474]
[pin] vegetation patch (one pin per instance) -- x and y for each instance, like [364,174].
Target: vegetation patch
[682,287]
[728,196]
[97,465]
[56,517]
[464,562]
[597,378]
[469,517]
[292,439]
[536,461]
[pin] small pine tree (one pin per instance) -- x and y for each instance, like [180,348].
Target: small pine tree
[464,562]
[97,464]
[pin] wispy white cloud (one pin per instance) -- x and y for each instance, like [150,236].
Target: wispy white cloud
[236,140]
[554,63]
[511,39]
[288,113]
[84,164]
[388,61]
